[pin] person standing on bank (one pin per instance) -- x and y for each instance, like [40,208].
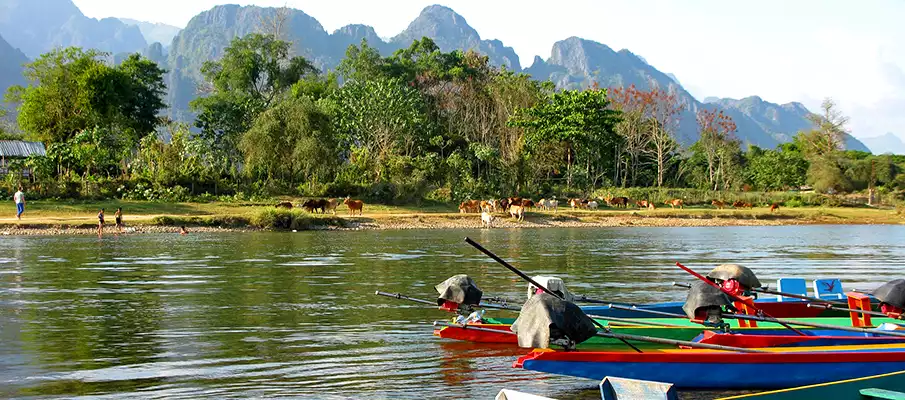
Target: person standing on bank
[100,223]
[118,217]
[19,198]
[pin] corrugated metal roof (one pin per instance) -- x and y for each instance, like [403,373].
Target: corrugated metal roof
[19,148]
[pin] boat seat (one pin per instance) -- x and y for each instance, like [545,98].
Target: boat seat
[829,289]
[792,286]
[873,393]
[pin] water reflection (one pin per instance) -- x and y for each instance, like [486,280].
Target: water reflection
[261,314]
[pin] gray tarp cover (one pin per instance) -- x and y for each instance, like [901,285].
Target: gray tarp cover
[459,289]
[543,313]
[743,275]
[892,292]
[703,295]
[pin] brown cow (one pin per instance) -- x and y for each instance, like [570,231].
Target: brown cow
[774,207]
[312,205]
[504,205]
[284,204]
[527,203]
[470,206]
[718,204]
[642,203]
[747,205]
[354,205]
[618,202]
[675,203]
[515,201]
[738,204]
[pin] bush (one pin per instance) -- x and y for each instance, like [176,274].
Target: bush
[295,219]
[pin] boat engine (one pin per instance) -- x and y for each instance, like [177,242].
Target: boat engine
[546,319]
[735,279]
[705,304]
[458,294]
[892,297]
[554,284]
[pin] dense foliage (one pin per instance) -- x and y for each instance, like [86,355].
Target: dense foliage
[421,124]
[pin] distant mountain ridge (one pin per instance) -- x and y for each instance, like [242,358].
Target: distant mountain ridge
[885,144]
[37,26]
[574,62]
[11,61]
[577,63]
[154,32]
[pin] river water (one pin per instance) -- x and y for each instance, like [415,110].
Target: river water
[294,314]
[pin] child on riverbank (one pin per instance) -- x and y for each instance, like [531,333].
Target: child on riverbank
[100,223]
[118,218]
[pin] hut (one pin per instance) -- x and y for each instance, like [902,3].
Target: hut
[12,150]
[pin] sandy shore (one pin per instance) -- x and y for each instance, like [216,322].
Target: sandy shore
[473,221]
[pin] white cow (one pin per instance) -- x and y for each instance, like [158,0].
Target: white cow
[592,205]
[486,220]
[517,212]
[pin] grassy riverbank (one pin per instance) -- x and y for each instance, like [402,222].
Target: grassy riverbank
[54,217]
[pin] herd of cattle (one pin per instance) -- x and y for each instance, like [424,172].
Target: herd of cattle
[517,206]
[324,205]
[514,206]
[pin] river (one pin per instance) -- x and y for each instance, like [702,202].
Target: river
[294,314]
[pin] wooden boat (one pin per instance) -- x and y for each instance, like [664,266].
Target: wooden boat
[884,386]
[687,331]
[706,369]
[770,306]
[776,306]
[773,338]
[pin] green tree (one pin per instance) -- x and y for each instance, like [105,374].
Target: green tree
[292,141]
[778,169]
[579,121]
[183,160]
[144,89]
[362,63]
[254,71]
[71,90]
[383,116]
[822,147]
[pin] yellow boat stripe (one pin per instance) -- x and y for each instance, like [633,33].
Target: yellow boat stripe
[866,378]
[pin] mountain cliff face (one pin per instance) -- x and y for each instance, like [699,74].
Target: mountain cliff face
[11,60]
[36,27]
[154,32]
[451,32]
[208,34]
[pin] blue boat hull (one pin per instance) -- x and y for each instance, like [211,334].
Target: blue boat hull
[719,376]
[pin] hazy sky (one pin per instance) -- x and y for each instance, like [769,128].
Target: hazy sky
[781,50]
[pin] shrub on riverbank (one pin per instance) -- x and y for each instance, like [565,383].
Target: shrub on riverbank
[295,219]
[211,221]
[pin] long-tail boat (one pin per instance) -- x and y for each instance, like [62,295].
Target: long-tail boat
[683,329]
[707,369]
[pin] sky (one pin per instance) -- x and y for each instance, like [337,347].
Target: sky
[780,50]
